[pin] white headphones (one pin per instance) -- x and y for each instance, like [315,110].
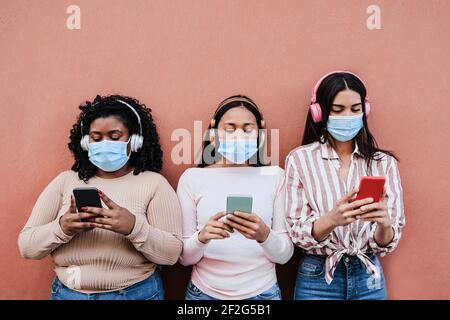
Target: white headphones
[136,141]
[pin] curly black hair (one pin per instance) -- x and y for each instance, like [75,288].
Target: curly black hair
[148,158]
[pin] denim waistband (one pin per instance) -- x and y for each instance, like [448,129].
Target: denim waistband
[156,274]
[351,259]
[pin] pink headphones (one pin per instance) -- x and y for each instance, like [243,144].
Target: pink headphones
[316,110]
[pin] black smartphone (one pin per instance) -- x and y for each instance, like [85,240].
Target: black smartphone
[86,197]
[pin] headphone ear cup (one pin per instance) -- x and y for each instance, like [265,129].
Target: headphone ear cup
[367,106]
[316,112]
[136,142]
[212,136]
[84,143]
[133,143]
[140,143]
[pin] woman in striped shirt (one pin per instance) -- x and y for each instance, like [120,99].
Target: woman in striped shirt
[341,236]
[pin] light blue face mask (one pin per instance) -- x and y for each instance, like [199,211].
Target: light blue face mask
[238,150]
[344,128]
[109,155]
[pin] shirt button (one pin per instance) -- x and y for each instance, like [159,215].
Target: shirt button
[347,260]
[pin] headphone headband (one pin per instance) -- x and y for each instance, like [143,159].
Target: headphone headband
[236,99]
[316,109]
[314,91]
[125,104]
[136,140]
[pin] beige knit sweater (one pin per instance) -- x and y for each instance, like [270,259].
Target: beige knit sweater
[101,260]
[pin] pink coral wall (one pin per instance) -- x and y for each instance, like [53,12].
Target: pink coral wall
[182,57]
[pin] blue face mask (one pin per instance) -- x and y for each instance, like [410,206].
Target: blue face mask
[344,128]
[238,150]
[109,155]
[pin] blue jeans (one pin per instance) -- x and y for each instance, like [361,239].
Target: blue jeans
[148,289]
[194,293]
[351,280]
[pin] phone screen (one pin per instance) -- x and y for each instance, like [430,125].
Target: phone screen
[86,197]
[239,203]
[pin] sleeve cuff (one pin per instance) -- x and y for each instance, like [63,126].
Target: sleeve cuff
[310,242]
[269,242]
[386,249]
[140,229]
[59,233]
[197,243]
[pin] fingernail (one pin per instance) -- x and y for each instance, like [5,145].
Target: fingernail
[84,208]
[100,193]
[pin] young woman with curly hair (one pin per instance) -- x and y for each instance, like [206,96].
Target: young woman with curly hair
[113,252]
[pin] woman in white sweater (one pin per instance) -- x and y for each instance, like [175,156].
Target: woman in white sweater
[234,255]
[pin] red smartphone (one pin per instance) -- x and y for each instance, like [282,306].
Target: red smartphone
[371,187]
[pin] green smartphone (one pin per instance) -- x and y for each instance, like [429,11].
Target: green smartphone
[239,202]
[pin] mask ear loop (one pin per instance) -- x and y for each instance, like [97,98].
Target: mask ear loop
[262,133]
[212,137]
[128,142]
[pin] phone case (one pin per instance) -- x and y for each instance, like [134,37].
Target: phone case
[371,187]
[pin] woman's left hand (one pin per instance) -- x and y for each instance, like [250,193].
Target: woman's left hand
[114,218]
[249,225]
[376,212]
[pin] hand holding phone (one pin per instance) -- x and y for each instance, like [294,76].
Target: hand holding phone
[113,217]
[72,222]
[240,217]
[214,229]
[373,187]
[86,197]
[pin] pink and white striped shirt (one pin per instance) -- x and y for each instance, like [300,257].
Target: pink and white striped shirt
[313,187]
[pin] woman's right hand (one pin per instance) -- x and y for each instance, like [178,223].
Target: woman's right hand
[346,210]
[214,229]
[71,223]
